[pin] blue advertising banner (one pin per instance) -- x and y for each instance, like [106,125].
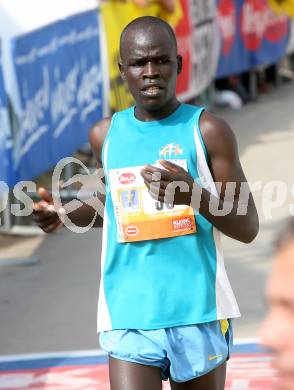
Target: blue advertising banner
[59,75]
[6,164]
[252,34]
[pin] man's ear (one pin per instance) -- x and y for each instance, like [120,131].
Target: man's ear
[179,64]
[121,69]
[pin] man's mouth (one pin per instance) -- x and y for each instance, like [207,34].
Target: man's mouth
[151,91]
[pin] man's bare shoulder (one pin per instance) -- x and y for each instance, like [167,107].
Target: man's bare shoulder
[97,136]
[217,134]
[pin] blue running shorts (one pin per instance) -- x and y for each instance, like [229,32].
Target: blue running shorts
[183,353]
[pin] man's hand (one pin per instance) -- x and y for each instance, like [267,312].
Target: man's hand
[170,185]
[44,213]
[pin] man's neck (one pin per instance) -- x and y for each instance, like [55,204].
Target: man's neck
[153,115]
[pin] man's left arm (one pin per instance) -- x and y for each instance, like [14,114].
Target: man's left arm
[239,218]
[241,221]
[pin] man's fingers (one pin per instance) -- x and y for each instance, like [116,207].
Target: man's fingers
[44,207]
[45,195]
[52,227]
[162,194]
[147,176]
[171,166]
[156,177]
[159,192]
[45,216]
[42,221]
[45,219]
[155,174]
[162,197]
[148,182]
[41,211]
[40,207]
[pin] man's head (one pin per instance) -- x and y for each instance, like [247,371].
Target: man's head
[150,63]
[277,332]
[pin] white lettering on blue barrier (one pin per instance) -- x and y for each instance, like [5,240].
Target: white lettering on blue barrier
[60,85]
[57,43]
[33,113]
[63,99]
[5,138]
[89,90]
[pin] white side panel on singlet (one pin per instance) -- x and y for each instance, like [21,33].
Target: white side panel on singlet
[103,319]
[226,304]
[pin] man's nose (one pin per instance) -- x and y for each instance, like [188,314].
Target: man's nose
[151,70]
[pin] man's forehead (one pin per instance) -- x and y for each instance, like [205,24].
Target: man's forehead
[150,31]
[142,38]
[138,41]
[147,51]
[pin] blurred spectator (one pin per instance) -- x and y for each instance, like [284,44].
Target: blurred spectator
[277,332]
[227,98]
[234,84]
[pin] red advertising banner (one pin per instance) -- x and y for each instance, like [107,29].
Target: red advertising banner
[199,44]
[184,38]
[252,35]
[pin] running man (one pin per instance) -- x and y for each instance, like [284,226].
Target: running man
[165,302]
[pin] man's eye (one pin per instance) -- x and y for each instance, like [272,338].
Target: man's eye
[163,61]
[138,63]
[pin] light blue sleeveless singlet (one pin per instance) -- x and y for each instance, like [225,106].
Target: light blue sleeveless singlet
[171,281]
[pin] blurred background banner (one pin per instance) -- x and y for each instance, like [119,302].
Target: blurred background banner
[116,16]
[252,34]
[59,77]
[6,165]
[290,48]
[59,84]
[185,47]
[199,44]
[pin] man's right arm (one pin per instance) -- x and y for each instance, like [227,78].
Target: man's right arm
[45,214]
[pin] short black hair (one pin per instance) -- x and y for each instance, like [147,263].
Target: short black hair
[286,234]
[148,22]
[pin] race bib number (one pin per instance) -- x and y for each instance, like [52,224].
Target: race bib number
[138,216]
